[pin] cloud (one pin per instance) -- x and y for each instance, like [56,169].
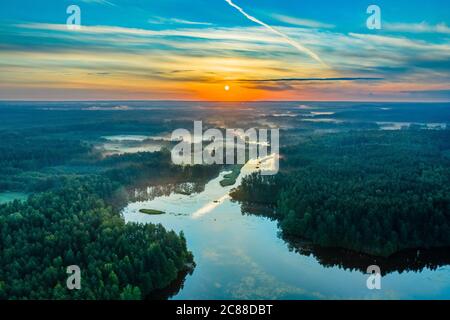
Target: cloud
[315,79]
[351,53]
[422,27]
[162,20]
[444,93]
[272,87]
[235,34]
[302,22]
[388,41]
[288,84]
[296,45]
[110,58]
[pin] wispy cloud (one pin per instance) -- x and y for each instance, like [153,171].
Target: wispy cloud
[289,84]
[302,22]
[444,93]
[295,44]
[422,27]
[151,63]
[162,20]
[314,79]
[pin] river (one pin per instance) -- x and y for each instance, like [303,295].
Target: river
[241,256]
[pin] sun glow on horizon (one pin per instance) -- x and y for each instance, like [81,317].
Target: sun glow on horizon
[222,60]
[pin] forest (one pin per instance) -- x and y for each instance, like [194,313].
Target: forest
[72,218]
[370,191]
[74,226]
[376,192]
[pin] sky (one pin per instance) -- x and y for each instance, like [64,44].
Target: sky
[225,50]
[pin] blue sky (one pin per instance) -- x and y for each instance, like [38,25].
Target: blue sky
[173,49]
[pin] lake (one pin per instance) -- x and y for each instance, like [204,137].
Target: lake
[241,256]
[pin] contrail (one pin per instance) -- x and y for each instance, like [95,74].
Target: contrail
[296,45]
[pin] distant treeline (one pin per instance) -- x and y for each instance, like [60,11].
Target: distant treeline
[35,164]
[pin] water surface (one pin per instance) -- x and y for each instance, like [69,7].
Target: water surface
[242,257]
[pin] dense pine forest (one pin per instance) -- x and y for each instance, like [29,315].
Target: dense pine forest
[72,218]
[73,226]
[376,192]
[347,185]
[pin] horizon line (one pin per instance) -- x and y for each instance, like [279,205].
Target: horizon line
[225,101]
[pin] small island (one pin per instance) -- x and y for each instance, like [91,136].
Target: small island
[230,178]
[151,211]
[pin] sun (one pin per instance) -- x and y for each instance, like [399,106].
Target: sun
[227,88]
